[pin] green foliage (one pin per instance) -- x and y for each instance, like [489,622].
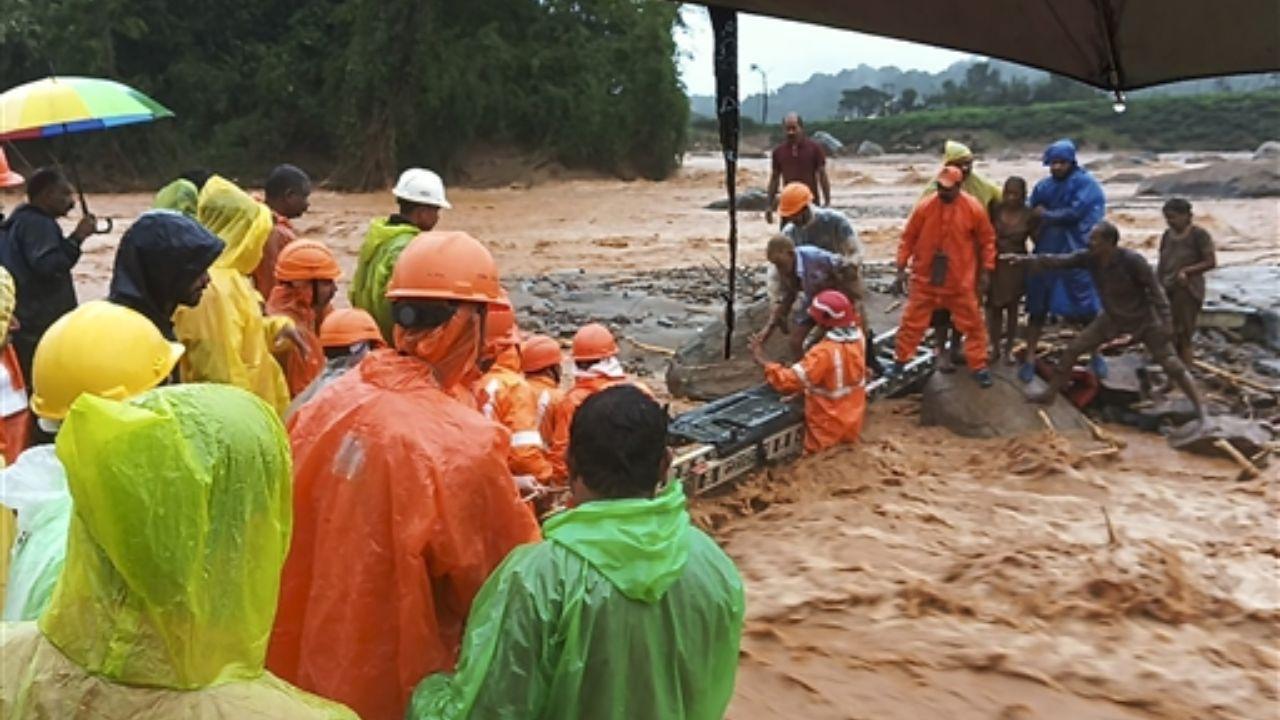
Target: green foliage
[1235,121]
[357,89]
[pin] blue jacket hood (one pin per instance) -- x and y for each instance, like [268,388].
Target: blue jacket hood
[1060,150]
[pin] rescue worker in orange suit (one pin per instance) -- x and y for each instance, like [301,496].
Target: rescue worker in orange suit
[306,281]
[596,367]
[403,503]
[505,397]
[541,360]
[949,245]
[832,374]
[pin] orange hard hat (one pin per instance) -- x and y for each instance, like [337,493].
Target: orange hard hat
[831,308]
[950,176]
[539,353]
[593,342]
[8,178]
[307,260]
[445,266]
[347,326]
[500,324]
[795,198]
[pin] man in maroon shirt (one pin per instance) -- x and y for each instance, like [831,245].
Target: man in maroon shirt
[799,159]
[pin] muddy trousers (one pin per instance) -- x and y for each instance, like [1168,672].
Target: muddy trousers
[965,315]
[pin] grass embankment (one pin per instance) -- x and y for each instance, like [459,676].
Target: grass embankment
[1229,121]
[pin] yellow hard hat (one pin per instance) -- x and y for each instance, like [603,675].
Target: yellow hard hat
[99,348]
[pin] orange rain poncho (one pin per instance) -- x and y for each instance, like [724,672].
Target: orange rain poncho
[832,376]
[505,397]
[403,507]
[227,337]
[165,604]
[557,422]
[297,304]
[961,230]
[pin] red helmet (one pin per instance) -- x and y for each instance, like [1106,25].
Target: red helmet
[832,309]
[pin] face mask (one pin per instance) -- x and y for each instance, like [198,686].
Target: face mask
[451,349]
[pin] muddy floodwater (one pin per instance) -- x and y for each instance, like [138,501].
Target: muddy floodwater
[921,575]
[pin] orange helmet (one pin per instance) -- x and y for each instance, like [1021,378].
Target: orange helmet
[831,308]
[539,353]
[307,260]
[445,266]
[593,342]
[8,178]
[796,196]
[348,326]
[500,325]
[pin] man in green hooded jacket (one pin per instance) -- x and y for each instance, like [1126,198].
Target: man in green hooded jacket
[625,610]
[420,194]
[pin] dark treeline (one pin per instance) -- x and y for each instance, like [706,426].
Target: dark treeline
[357,89]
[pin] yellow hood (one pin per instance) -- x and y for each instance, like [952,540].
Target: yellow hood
[181,525]
[242,222]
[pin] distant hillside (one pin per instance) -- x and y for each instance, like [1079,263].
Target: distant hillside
[1228,121]
[817,97]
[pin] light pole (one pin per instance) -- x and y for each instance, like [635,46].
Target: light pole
[764,104]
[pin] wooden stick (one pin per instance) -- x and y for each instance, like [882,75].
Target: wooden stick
[1236,379]
[893,306]
[650,348]
[1044,417]
[1248,469]
[1111,531]
[1103,436]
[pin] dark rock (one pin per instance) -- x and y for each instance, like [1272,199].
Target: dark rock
[1267,366]
[751,201]
[1248,436]
[956,402]
[1203,159]
[1238,179]
[1269,150]
[1009,154]
[869,149]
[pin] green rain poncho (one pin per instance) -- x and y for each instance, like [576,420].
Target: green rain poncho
[626,611]
[975,184]
[180,196]
[378,254]
[181,522]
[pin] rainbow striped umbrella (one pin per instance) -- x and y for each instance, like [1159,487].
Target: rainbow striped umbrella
[66,105]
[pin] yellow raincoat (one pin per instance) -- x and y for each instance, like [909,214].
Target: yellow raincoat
[975,184]
[227,337]
[163,610]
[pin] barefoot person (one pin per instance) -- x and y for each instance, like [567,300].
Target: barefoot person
[1186,254]
[1014,224]
[1133,303]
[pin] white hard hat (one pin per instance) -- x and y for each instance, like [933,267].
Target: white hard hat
[421,186]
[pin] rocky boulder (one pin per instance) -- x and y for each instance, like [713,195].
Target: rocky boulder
[829,143]
[1239,179]
[1269,150]
[956,402]
[869,149]
[753,200]
[698,370]
[1248,436]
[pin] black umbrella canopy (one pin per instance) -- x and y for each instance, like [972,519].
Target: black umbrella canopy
[1115,45]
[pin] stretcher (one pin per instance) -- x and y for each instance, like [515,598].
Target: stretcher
[724,440]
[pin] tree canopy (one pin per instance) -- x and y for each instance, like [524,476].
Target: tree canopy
[357,89]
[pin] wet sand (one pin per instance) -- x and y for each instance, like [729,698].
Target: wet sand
[921,575]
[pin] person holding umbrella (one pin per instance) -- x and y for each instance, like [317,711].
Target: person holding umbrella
[40,257]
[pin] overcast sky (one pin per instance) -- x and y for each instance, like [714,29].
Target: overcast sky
[791,51]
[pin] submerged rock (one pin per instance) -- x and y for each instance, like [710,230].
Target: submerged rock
[1248,436]
[829,143]
[1269,150]
[1240,179]
[956,402]
[751,200]
[699,371]
[869,149]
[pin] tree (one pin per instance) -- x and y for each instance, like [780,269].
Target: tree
[907,100]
